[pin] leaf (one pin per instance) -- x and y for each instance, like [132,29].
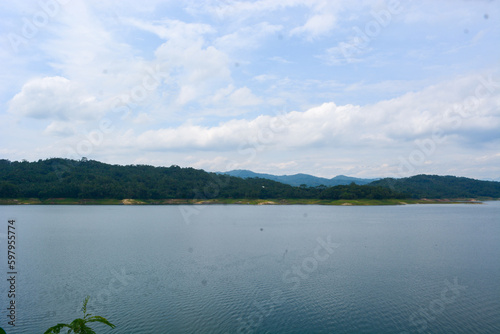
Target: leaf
[86,330]
[78,326]
[56,329]
[84,307]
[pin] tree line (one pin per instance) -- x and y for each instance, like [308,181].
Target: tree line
[435,186]
[90,179]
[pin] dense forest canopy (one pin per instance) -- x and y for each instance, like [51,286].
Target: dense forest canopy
[64,178]
[434,186]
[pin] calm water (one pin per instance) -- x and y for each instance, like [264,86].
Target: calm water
[260,269]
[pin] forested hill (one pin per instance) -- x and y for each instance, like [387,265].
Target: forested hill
[434,186]
[64,178]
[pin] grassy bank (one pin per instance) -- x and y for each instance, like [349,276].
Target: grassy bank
[74,201]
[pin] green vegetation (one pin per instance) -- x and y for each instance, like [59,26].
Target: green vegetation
[57,180]
[299,179]
[80,325]
[434,186]
[63,181]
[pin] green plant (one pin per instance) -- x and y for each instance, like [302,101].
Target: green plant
[80,325]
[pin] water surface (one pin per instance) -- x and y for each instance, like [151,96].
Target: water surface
[275,269]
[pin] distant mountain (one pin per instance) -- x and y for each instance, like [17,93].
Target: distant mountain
[90,179]
[495,180]
[297,180]
[435,186]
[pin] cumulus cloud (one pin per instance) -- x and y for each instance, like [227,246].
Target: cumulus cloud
[196,68]
[55,98]
[82,47]
[60,129]
[319,126]
[411,117]
[193,76]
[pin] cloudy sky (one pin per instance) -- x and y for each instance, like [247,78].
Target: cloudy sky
[369,88]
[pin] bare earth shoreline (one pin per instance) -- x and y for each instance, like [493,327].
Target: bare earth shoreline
[129,201]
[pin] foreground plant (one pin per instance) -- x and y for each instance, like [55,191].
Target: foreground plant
[80,325]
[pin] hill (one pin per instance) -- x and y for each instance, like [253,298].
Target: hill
[435,186]
[300,179]
[89,179]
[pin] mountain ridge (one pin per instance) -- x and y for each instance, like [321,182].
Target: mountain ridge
[299,179]
[90,179]
[65,178]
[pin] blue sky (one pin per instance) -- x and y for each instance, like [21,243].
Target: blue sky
[361,88]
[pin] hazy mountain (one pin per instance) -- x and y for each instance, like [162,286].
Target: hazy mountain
[495,180]
[299,179]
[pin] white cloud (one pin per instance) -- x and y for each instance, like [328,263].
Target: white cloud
[195,137]
[265,77]
[316,26]
[239,9]
[82,48]
[173,29]
[173,67]
[346,52]
[60,129]
[55,98]
[285,165]
[143,118]
[196,69]
[391,123]
[281,60]
[218,163]
[244,97]
[247,37]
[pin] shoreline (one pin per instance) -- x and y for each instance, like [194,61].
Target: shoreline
[231,201]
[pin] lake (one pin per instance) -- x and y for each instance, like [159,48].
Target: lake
[257,269]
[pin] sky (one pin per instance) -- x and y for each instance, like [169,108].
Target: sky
[380,88]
